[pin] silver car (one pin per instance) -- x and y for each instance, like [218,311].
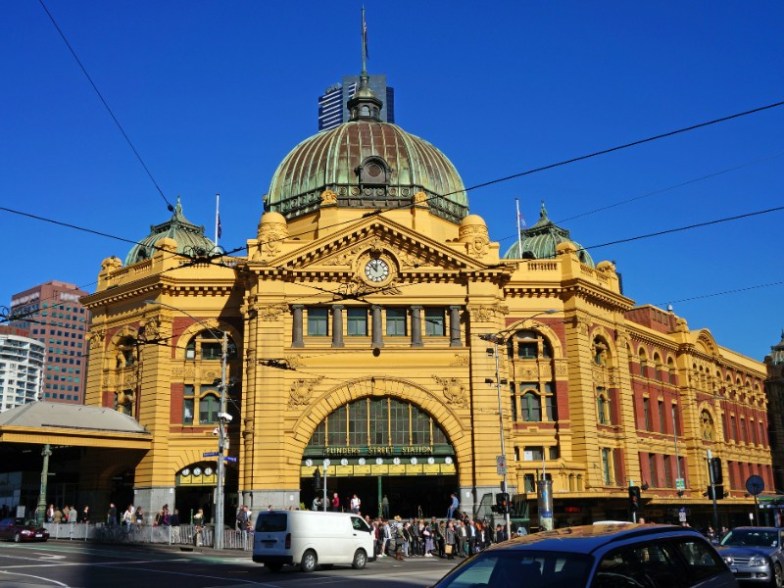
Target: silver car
[754,554]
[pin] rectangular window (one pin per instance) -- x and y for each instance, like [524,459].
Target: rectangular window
[667,465]
[607,468]
[379,423]
[646,411]
[435,322]
[187,411]
[317,321]
[357,322]
[396,322]
[549,408]
[336,436]
[533,454]
[654,471]
[357,423]
[399,424]
[662,418]
[676,424]
[554,453]
[529,483]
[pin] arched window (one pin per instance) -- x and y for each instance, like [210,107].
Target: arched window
[529,345]
[209,405]
[126,352]
[531,407]
[208,345]
[706,426]
[601,352]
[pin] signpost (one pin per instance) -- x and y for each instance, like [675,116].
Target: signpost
[500,465]
[210,454]
[755,485]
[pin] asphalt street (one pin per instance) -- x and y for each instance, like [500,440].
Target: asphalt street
[85,565]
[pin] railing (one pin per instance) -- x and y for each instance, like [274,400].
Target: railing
[159,535]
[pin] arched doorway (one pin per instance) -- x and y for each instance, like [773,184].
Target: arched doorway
[381,446]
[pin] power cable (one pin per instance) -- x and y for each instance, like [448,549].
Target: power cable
[106,105]
[619,147]
[723,293]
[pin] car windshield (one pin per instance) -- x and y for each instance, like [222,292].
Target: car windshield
[751,538]
[523,568]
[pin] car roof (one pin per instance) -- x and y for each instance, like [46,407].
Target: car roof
[588,538]
[757,528]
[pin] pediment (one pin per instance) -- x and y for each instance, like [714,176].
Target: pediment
[408,250]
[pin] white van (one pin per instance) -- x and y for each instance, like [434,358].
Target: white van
[309,538]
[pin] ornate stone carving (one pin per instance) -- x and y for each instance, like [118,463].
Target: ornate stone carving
[150,330]
[295,361]
[272,312]
[111,264]
[344,258]
[454,390]
[484,314]
[459,360]
[301,391]
[328,198]
[96,337]
[420,199]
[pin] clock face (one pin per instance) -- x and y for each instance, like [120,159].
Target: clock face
[377,270]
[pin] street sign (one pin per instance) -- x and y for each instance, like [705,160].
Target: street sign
[210,454]
[682,515]
[500,465]
[755,485]
[231,459]
[680,484]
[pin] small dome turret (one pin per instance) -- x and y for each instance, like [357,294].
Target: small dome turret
[189,237]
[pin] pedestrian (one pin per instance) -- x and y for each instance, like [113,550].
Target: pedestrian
[198,527]
[335,504]
[385,507]
[453,506]
[138,517]
[317,503]
[111,515]
[85,514]
[127,517]
[356,503]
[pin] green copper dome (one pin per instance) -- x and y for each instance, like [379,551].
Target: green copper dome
[777,357]
[190,238]
[368,164]
[540,241]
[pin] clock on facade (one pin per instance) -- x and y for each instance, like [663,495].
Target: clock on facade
[376,270]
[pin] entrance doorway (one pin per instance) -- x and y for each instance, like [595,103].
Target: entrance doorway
[406,494]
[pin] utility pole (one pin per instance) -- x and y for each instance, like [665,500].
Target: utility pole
[40,512]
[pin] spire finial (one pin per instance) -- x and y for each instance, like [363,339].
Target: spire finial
[364,44]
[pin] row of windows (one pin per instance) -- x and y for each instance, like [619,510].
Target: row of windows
[661,417]
[378,421]
[396,323]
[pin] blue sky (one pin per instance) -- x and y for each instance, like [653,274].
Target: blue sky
[214,94]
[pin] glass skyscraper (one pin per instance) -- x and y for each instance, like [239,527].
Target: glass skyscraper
[333,109]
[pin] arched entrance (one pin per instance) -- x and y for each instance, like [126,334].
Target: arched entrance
[381,446]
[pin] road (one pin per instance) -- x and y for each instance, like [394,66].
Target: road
[80,565]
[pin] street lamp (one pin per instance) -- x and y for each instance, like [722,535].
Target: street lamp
[223,418]
[495,339]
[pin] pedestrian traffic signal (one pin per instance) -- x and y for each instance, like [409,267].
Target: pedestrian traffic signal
[634,497]
[715,469]
[719,492]
[502,502]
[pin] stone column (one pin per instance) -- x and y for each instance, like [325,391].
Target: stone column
[377,339]
[296,330]
[416,326]
[337,325]
[454,327]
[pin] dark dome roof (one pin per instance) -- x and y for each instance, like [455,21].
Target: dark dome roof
[190,238]
[540,241]
[367,164]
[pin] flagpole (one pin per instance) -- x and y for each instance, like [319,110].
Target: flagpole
[519,230]
[217,218]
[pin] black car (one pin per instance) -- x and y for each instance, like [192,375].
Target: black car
[597,556]
[18,530]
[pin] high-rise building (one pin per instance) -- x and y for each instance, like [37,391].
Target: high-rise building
[53,315]
[21,368]
[333,109]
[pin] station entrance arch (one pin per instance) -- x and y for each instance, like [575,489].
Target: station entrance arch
[381,446]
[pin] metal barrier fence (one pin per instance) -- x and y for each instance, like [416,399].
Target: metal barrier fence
[160,535]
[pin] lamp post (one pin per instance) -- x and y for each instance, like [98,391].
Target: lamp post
[495,339]
[223,418]
[40,513]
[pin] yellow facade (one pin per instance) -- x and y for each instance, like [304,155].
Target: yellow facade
[590,340]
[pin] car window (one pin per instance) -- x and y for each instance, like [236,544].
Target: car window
[271,522]
[527,569]
[648,565]
[751,538]
[701,559]
[359,524]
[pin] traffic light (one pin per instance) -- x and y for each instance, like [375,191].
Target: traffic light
[502,502]
[634,497]
[719,492]
[316,480]
[715,469]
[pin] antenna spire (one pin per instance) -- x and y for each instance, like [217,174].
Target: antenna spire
[364,44]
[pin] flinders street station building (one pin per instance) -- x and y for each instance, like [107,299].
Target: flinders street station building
[374,332]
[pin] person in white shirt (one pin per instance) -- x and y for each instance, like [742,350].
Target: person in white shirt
[355,504]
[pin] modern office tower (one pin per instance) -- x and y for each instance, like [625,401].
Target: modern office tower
[333,109]
[21,368]
[53,315]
